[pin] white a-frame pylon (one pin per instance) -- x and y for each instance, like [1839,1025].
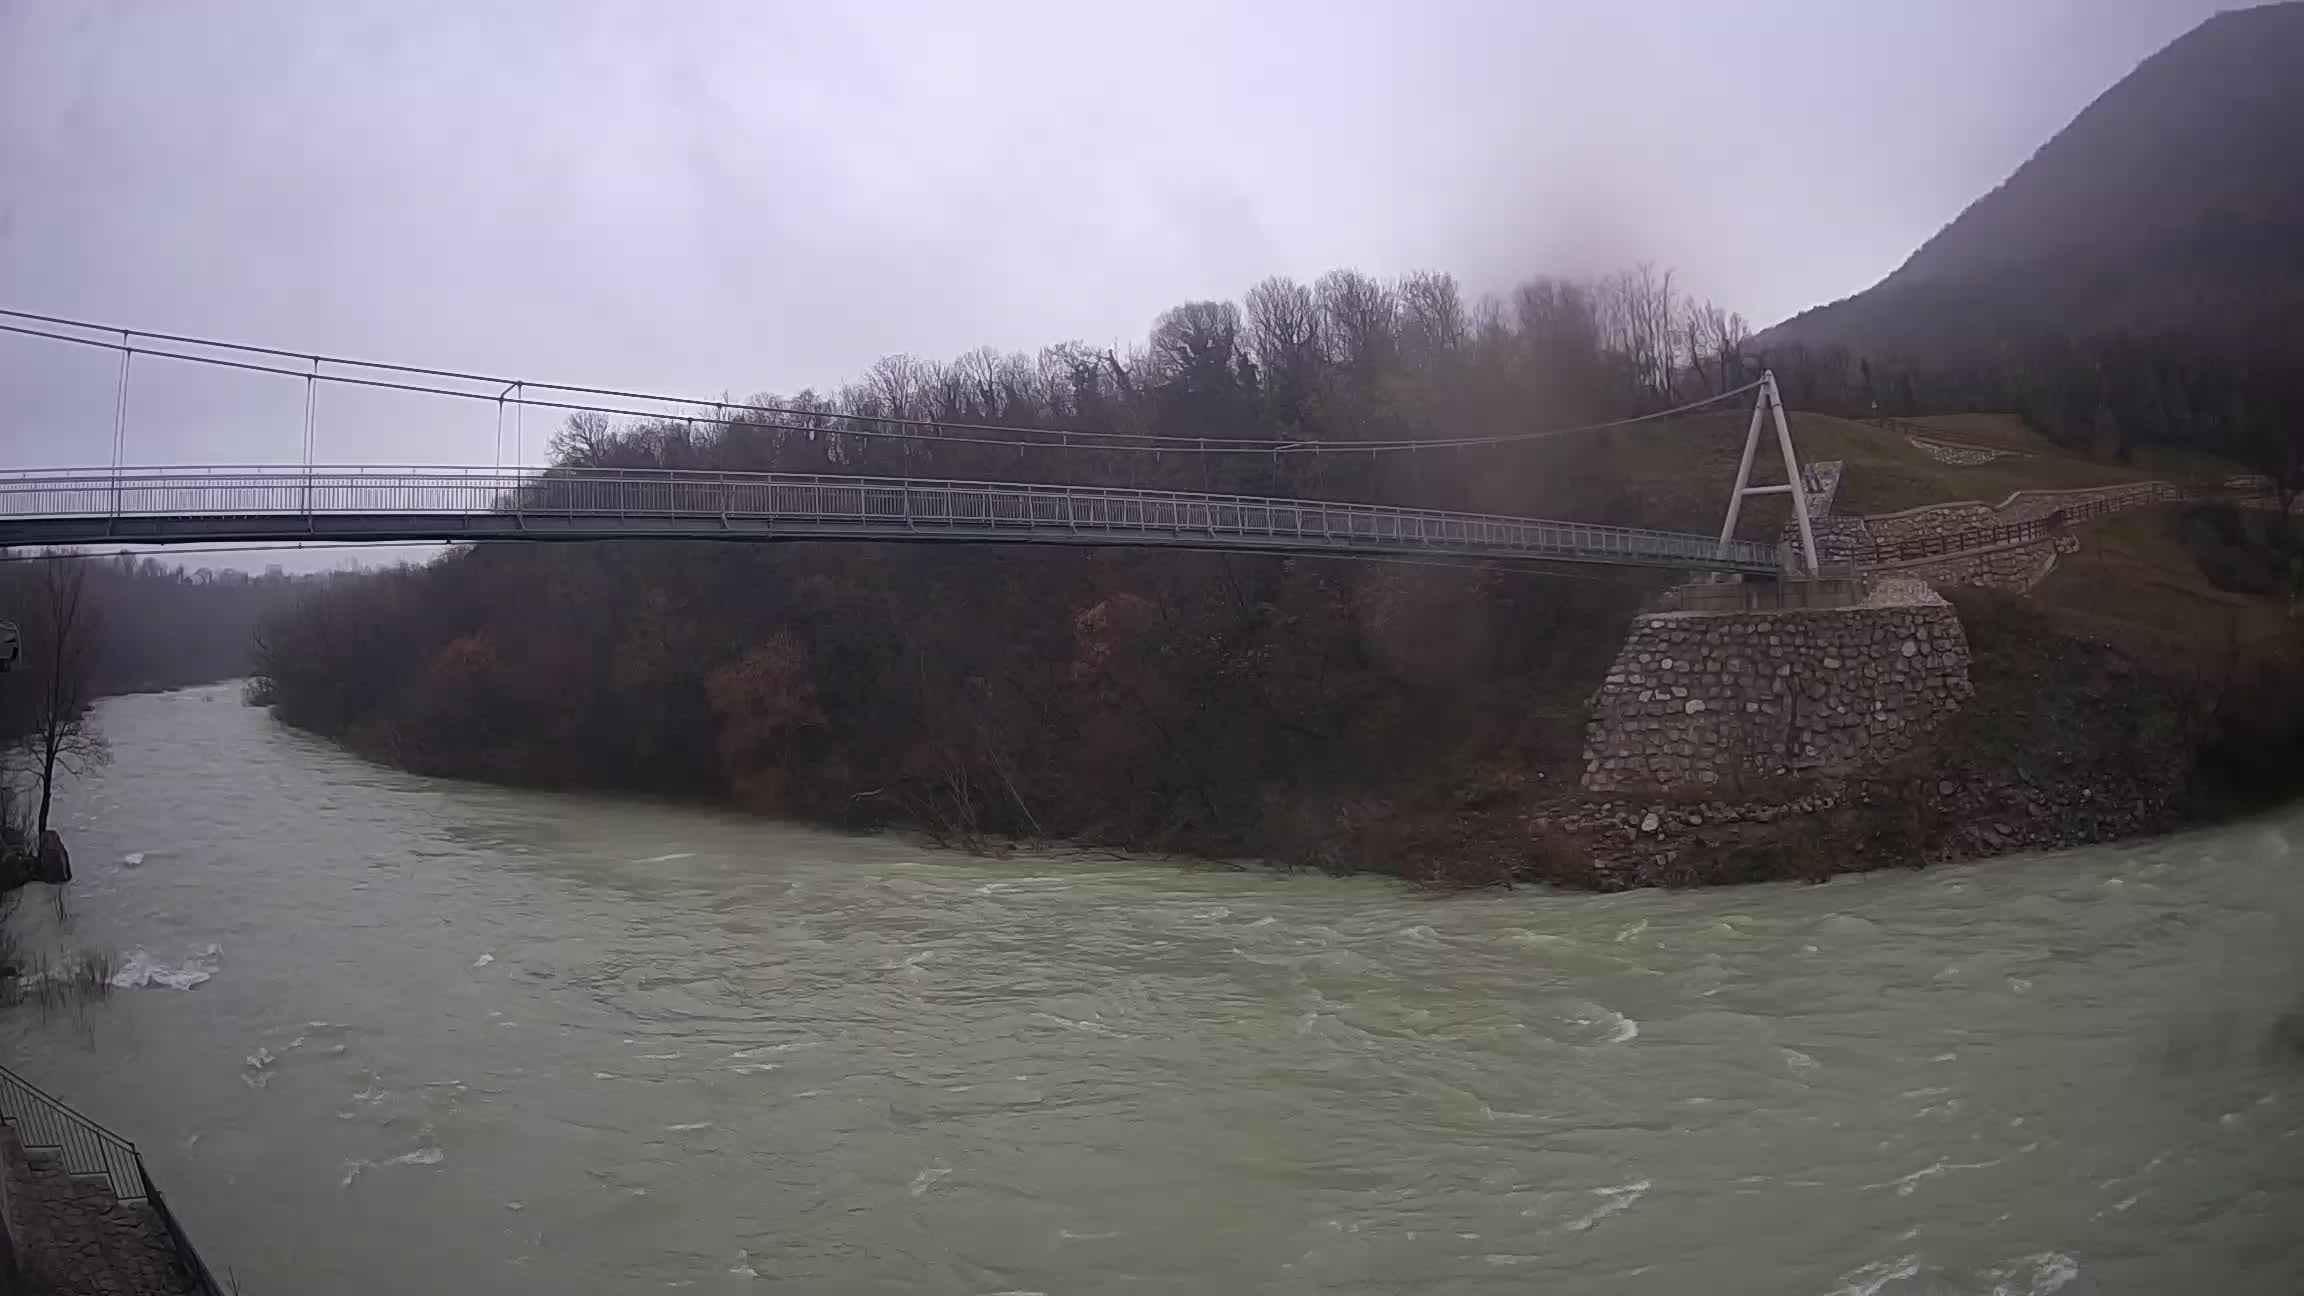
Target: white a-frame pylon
[1794,485]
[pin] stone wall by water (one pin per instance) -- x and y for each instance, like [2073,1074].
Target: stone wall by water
[1705,703]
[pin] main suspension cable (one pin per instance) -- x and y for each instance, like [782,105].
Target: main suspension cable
[819,422]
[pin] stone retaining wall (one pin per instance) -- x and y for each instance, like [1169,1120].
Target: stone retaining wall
[2012,569]
[1840,537]
[1703,703]
[1932,520]
[1959,456]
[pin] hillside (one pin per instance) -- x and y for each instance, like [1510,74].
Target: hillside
[1676,474]
[2176,199]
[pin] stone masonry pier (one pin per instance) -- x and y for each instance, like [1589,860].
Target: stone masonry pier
[1707,702]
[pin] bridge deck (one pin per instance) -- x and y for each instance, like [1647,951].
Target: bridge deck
[256,504]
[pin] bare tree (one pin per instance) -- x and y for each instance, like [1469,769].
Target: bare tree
[1434,319]
[1639,312]
[60,658]
[585,440]
[1284,338]
[1359,322]
[1716,339]
[1283,328]
[1559,322]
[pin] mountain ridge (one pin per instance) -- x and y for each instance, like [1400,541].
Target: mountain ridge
[2175,198]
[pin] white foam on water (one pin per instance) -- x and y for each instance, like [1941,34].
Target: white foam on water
[1523,936]
[1621,1029]
[743,1266]
[691,1125]
[1084,1027]
[1906,1185]
[922,1180]
[1632,931]
[1798,1061]
[484,960]
[1418,933]
[1868,1279]
[2035,1275]
[665,859]
[421,1156]
[141,970]
[132,859]
[758,1049]
[1613,1200]
[658,1057]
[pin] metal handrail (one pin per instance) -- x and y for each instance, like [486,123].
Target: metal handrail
[861,504]
[45,1123]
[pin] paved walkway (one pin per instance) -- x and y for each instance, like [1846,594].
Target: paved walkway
[74,1238]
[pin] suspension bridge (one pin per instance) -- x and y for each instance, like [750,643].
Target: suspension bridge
[373,504]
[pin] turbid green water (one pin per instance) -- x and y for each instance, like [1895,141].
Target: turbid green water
[439,1037]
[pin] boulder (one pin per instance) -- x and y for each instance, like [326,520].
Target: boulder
[54,863]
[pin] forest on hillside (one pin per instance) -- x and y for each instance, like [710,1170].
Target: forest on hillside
[1336,712]
[1213,703]
[86,627]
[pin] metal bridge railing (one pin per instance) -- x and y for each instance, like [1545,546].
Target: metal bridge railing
[83,1147]
[859,504]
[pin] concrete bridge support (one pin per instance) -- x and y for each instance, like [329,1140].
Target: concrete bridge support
[1736,687]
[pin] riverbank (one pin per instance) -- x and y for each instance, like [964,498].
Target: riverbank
[2066,742]
[1350,717]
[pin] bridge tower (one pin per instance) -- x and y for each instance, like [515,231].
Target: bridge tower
[1770,407]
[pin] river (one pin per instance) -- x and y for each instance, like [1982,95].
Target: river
[384,1033]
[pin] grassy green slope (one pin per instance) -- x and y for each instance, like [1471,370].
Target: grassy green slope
[1676,474]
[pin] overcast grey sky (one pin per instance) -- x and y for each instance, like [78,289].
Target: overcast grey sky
[752,196]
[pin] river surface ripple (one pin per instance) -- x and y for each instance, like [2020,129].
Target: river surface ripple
[390,1034]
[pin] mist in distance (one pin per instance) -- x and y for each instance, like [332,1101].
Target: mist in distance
[724,199]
